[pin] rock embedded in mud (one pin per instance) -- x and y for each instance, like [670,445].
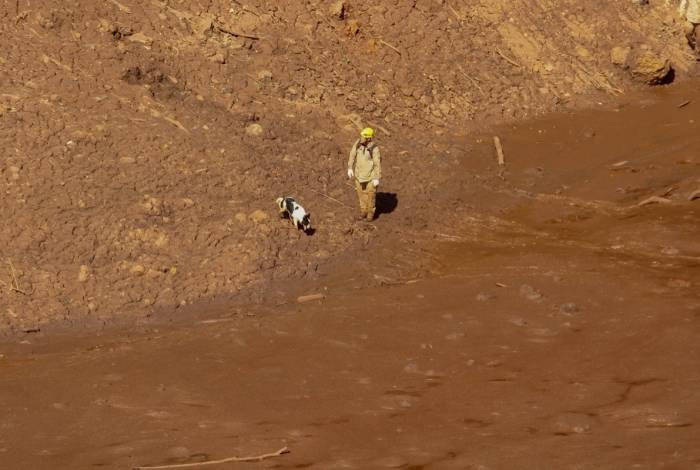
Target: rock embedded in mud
[620,55]
[254,130]
[83,273]
[530,293]
[258,216]
[338,10]
[572,423]
[569,308]
[137,270]
[652,69]
[218,57]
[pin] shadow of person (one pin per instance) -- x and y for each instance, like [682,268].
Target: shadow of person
[386,203]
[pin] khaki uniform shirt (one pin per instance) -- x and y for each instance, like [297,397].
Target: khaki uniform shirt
[366,162]
[690,9]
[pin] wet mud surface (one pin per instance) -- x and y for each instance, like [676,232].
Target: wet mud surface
[552,323]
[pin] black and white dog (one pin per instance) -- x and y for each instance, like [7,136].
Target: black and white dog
[295,213]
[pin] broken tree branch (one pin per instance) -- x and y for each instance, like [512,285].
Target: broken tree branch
[382,41]
[235,34]
[469,77]
[499,151]
[654,200]
[14,284]
[508,59]
[283,450]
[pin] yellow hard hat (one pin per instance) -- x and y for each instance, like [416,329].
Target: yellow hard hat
[367,133]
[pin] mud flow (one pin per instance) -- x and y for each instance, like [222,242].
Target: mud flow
[546,317]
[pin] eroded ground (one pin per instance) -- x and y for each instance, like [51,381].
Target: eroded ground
[552,323]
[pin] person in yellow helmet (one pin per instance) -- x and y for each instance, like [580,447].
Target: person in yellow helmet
[365,167]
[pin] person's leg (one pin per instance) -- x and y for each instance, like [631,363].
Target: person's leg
[371,200]
[362,198]
[689,30]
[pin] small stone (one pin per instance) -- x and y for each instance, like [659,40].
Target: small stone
[569,308]
[254,130]
[620,55]
[352,28]
[651,68]
[127,160]
[338,10]
[530,293]
[83,273]
[218,57]
[572,423]
[258,216]
[202,26]
[14,173]
[137,270]
[264,75]
[141,38]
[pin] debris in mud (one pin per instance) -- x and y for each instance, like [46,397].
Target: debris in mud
[256,458]
[652,69]
[572,423]
[484,297]
[620,55]
[530,293]
[569,308]
[654,200]
[310,298]
[338,9]
[254,130]
[499,151]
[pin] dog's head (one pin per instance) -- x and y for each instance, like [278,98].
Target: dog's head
[306,222]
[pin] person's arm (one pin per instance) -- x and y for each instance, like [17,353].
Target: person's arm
[351,160]
[377,168]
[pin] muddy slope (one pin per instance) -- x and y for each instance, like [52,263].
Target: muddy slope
[548,322]
[144,142]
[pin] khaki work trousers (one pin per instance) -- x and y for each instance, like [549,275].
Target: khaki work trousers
[692,33]
[367,194]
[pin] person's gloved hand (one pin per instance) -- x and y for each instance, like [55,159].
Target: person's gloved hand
[350,173]
[375,183]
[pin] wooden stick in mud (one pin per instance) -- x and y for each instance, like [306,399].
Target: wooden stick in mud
[283,450]
[14,285]
[238,35]
[499,151]
[382,41]
[508,59]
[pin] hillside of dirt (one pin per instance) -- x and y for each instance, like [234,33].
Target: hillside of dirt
[550,323]
[143,143]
